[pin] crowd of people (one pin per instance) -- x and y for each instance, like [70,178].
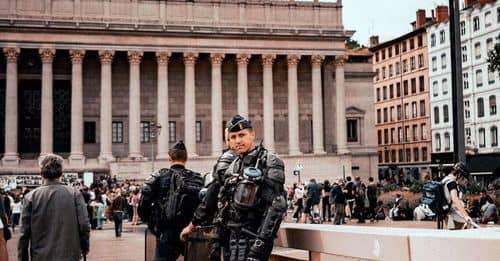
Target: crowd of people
[111,200]
[243,204]
[341,199]
[353,199]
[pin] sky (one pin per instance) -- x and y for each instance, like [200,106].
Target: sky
[386,18]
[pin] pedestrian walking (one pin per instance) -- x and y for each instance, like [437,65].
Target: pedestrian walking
[338,200]
[118,208]
[325,201]
[55,224]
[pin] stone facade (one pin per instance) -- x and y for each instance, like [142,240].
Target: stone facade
[401,92]
[184,64]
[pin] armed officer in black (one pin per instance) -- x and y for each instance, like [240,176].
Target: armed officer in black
[205,213]
[251,202]
[158,194]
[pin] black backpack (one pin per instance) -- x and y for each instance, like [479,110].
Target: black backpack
[434,196]
[182,197]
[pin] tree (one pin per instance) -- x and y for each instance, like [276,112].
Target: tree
[494,58]
[353,44]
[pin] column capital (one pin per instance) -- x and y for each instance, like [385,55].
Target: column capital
[340,60]
[77,55]
[135,56]
[268,59]
[190,58]
[293,59]
[317,59]
[47,54]
[11,53]
[106,56]
[162,57]
[217,58]
[243,58]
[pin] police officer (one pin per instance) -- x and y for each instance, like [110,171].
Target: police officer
[156,190]
[204,214]
[251,202]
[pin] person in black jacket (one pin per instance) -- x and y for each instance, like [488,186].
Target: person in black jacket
[205,213]
[157,189]
[252,200]
[3,243]
[118,207]
[338,200]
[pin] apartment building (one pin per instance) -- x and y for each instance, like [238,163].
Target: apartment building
[479,29]
[401,95]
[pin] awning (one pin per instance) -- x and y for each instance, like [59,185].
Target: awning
[483,164]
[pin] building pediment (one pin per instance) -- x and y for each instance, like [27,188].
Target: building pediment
[353,111]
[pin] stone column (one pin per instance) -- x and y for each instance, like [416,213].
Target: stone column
[134,105]
[242,60]
[190,103]
[76,156]
[11,155]
[162,107]
[293,106]
[47,119]
[317,104]
[217,140]
[106,154]
[340,105]
[268,102]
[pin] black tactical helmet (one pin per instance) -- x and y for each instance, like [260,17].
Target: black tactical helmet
[238,123]
[461,169]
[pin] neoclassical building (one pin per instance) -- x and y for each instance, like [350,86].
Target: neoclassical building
[93,79]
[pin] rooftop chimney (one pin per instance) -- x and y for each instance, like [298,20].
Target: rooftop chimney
[374,40]
[420,19]
[483,2]
[469,3]
[441,13]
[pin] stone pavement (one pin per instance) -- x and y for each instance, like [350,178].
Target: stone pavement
[103,244]
[130,247]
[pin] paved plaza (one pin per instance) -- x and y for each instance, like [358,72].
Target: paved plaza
[130,247]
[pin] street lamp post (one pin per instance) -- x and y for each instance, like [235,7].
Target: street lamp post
[154,133]
[456,82]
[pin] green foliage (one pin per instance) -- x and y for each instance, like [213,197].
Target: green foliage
[353,44]
[416,187]
[494,58]
[391,187]
[473,188]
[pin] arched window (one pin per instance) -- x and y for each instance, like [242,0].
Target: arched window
[493,105]
[482,138]
[446,141]
[494,136]
[436,115]
[480,107]
[438,142]
[446,115]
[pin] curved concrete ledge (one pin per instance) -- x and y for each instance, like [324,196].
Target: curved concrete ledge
[327,242]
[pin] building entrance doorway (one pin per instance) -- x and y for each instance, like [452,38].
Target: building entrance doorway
[62,117]
[29,100]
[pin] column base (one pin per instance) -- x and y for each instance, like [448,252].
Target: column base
[105,158]
[319,151]
[192,155]
[136,156]
[10,159]
[295,153]
[343,151]
[76,159]
[162,156]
